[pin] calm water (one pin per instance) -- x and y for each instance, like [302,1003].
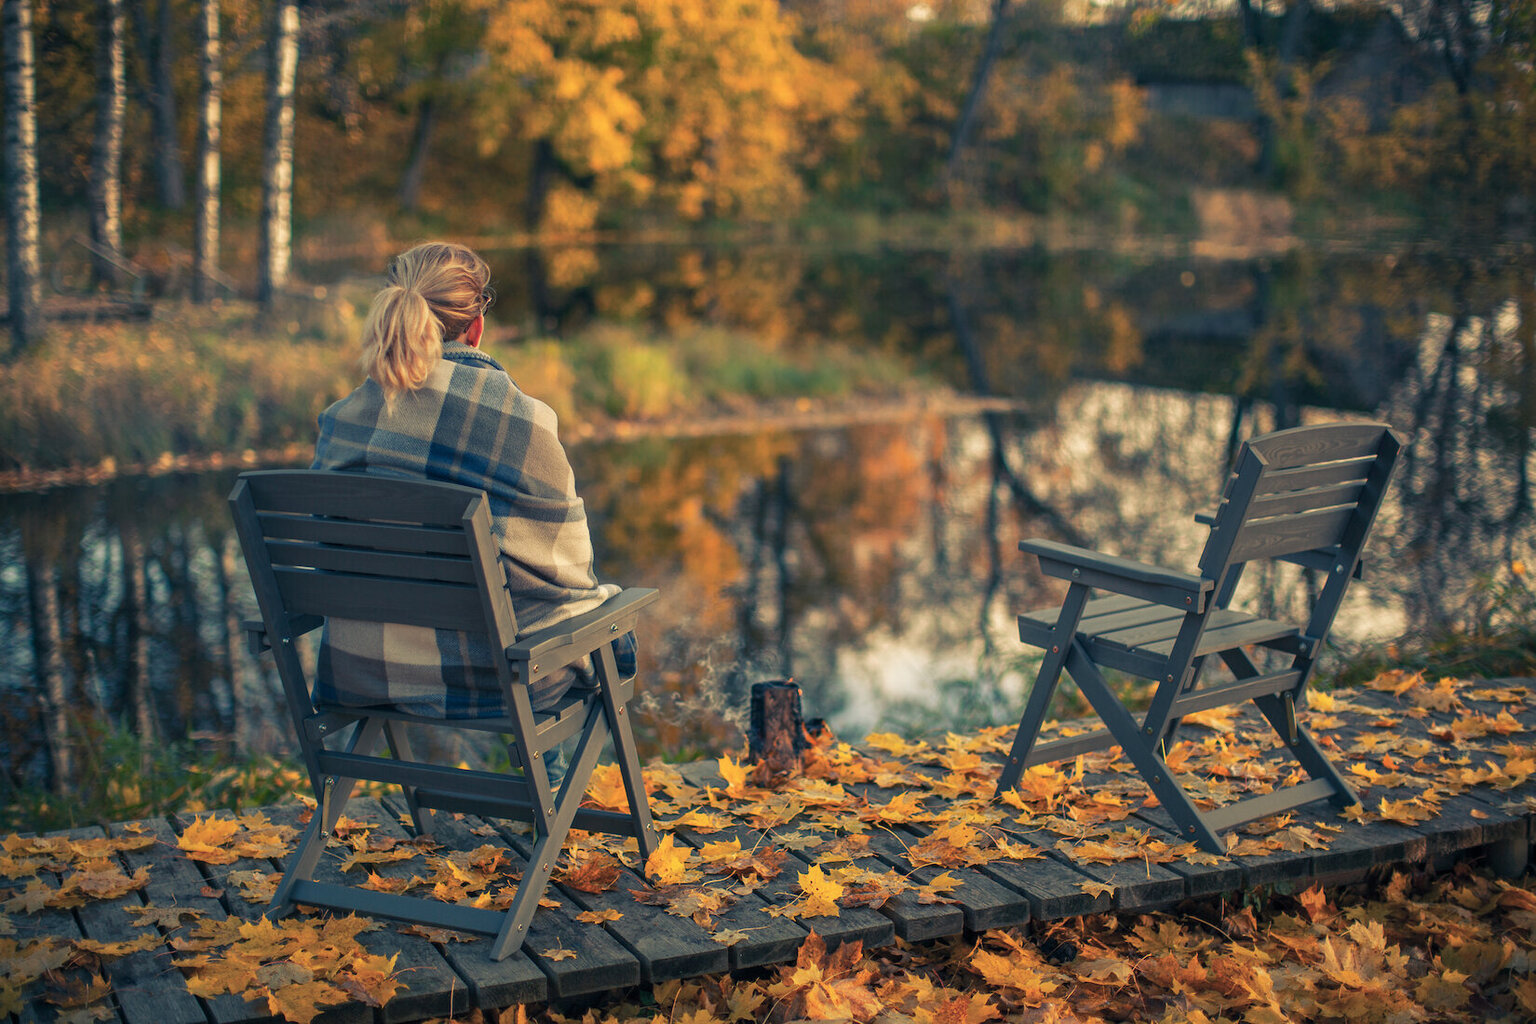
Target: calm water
[877,564]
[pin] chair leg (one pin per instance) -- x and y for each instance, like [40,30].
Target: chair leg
[1142,750]
[626,753]
[400,747]
[1044,689]
[333,795]
[1301,745]
[1305,749]
[551,838]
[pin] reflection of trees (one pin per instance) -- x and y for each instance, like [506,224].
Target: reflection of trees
[122,629]
[1468,401]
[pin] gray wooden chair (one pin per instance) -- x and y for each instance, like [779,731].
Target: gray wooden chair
[1307,495]
[384,549]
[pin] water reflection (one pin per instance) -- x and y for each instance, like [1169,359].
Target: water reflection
[877,564]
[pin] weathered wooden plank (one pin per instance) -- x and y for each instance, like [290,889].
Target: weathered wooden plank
[769,940]
[666,946]
[983,903]
[851,924]
[493,984]
[174,880]
[429,986]
[229,1008]
[601,963]
[148,989]
[55,926]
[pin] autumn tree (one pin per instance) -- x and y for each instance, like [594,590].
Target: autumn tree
[276,232]
[688,107]
[22,217]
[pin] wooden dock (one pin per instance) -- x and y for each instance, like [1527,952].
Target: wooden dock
[885,841]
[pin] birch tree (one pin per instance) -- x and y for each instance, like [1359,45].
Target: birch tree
[276,236]
[106,190]
[21,200]
[205,234]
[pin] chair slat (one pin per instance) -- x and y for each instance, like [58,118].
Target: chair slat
[1283,535]
[1302,477]
[1287,502]
[1327,443]
[360,496]
[361,562]
[413,603]
[433,540]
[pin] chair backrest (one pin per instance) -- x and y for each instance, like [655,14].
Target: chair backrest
[1309,495]
[381,549]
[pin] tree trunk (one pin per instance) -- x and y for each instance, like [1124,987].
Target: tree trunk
[277,164]
[159,93]
[107,149]
[410,181]
[210,112]
[48,667]
[968,113]
[22,218]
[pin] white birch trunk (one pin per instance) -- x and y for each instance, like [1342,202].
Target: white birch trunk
[107,151]
[205,240]
[277,169]
[22,218]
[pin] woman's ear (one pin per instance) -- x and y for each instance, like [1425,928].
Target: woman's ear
[473,332]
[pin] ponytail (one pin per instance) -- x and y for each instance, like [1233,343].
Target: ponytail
[435,291]
[402,340]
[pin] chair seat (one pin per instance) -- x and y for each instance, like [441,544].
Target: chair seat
[1132,635]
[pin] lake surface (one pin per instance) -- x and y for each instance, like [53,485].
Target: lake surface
[876,563]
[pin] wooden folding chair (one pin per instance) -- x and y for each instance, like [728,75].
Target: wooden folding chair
[383,549]
[1307,495]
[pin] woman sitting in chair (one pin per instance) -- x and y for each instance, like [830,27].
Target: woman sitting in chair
[434,406]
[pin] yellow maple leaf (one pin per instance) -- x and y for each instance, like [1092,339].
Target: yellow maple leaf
[606,789]
[668,864]
[598,916]
[557,953]
[821,893]
[735,776]
[206,838]
[302,1002]
[1097,889]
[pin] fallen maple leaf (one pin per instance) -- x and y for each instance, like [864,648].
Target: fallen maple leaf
[598,916]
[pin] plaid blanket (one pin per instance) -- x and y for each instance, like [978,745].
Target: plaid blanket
[468,424]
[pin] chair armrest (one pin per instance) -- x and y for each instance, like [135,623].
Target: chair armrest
[257,641]
[1180,590]
[579,636]
[1205,518]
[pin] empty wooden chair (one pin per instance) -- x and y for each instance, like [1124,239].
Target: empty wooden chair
[391,550]
[1307,495]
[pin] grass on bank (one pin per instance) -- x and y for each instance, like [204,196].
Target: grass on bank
[222,380]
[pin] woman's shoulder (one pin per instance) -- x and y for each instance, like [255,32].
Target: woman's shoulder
[477,377]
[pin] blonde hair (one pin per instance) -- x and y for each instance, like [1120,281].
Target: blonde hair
[435,291]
